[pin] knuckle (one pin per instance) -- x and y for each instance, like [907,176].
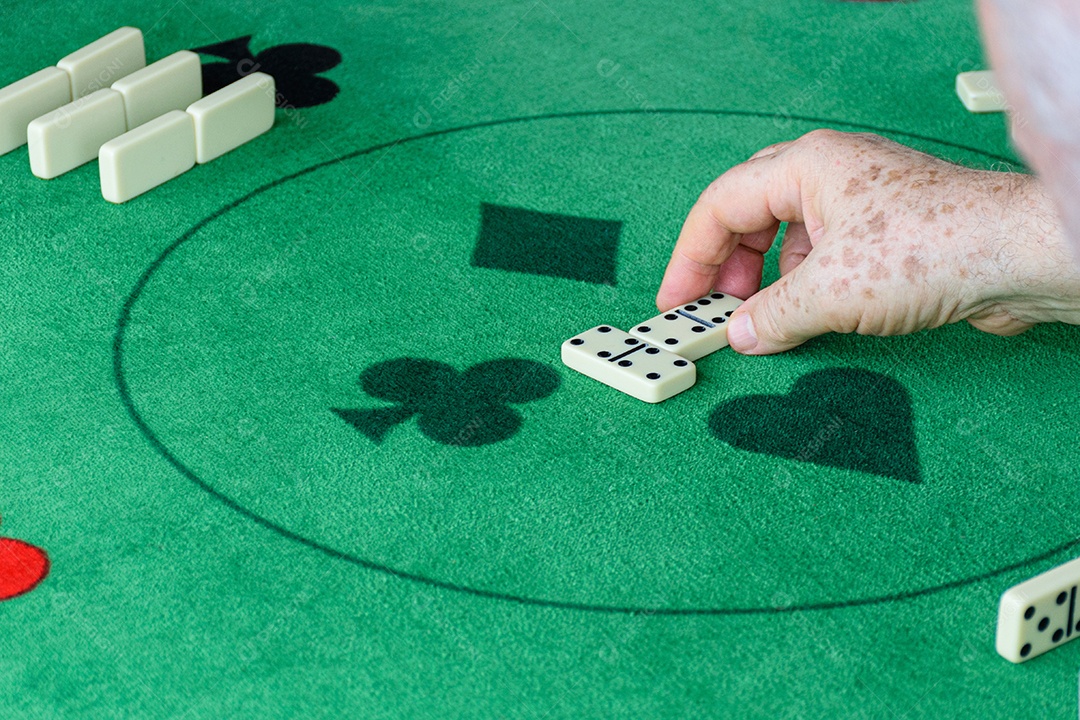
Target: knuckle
[701,258]
[823,136]
[868,137]
[711,191]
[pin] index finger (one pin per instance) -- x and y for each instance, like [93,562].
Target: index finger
[735,219]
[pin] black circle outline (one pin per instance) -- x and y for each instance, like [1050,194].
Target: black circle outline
[148,433]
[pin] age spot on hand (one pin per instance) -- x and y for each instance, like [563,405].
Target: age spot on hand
[913,268]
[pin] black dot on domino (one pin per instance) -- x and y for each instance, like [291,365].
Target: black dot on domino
[653,376]
[603,354]
[680,363]
[728,313]
[717,296]
[671,341]
[1058,635]
[699,329]
[631,341]
[603,328]
[576,341]
[671,316]
[1029,613]
[691,308]
[704,301]
[1026,650]
[1061,598]
[719,320]
[625,363]
[651,351]
[644,328]
[1043,624]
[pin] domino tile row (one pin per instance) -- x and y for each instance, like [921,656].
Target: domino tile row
[654,361]
[149,126]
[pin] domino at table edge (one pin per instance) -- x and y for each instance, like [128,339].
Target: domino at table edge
[148,156]
[73,134]
[979,91]
[152,154]
[76,75]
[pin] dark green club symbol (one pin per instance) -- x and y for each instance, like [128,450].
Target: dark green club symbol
[464,409]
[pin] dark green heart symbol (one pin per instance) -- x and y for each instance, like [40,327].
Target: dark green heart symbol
[465,409]
[838,417]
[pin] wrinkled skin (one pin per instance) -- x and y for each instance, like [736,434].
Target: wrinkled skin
[882,240]
[1034,49]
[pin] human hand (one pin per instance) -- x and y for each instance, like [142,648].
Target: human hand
[881,240]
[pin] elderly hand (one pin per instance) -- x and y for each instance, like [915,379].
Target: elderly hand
[881,240]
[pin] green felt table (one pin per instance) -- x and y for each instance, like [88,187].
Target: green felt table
[294,435]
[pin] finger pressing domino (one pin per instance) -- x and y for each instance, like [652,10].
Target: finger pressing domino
[693,330]
[654,361]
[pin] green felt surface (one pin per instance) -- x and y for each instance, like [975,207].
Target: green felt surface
[215,418]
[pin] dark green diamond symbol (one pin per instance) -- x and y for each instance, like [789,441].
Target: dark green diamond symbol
[538,243]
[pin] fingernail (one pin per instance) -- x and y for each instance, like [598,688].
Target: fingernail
[740,333]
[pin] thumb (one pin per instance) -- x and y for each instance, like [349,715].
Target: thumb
[775,319]
[999,322]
